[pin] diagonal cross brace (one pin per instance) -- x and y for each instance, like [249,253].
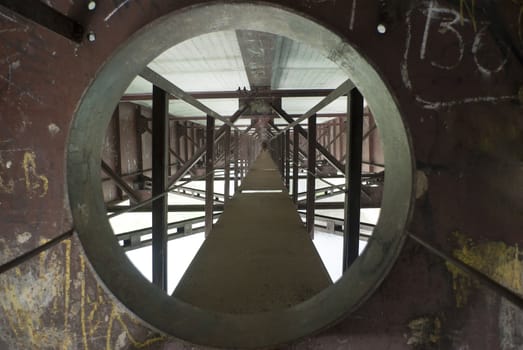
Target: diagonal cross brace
[341,90]
[157,80]
[124,186]
[202,150]
[330,158]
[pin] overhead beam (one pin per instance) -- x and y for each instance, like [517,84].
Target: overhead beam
[160,145]
[253,116]
[209,95]
[257,50]
[42,14]
[330,158]
[157,80]
[334,95]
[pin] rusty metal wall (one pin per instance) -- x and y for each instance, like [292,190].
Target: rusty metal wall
[127,148]
[458,90]
[333,136]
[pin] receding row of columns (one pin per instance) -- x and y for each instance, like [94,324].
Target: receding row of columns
[161,181]
[352,171]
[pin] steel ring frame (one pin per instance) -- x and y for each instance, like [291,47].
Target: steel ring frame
[172,316]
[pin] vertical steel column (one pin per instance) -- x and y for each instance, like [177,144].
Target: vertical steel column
[287,159]
[227,164]
[209,178]
[249,154]
[160,164]
[236,158]
[177,142]
[281,153]
[194,135]
[139,144]
[240,144]
[351,238]
[186,142]
[118,147]
[311,171]
[295,160]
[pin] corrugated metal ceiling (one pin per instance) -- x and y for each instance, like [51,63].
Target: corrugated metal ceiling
[213,62]
[298,66]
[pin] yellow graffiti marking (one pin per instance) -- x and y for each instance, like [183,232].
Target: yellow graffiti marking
[19,315]
[424,331]
[98,316]
[471,11]
[35,184]
[118,317]
[9,317]
[67,282]
[41,257]
[500,262]
[82,303]
[95,304]
[108,336]
[135,343]
[8,187]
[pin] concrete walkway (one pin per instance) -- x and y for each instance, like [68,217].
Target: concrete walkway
[258,256]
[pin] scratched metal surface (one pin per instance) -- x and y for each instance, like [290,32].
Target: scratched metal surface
[457,89]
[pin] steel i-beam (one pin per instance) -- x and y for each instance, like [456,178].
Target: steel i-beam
[287,159]
[351,238]
[311,179]
[159,206]
[295,160]
[209,176]
[40,13]
[330,158]
[227,164]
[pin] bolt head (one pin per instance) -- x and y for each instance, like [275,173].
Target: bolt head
[381,28]
[91,36]
[91,5]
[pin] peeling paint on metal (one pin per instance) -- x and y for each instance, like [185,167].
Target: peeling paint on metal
[497,260]
[36,184]
[42,303]
[424,331]
[422,184]
[53,129]
[23,237]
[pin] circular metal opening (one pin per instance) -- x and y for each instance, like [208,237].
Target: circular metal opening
[172,316]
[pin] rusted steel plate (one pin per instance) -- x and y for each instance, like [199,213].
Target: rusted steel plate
[457,91]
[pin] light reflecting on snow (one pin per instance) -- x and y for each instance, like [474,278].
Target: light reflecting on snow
[180,254]
[330,248]
[181,251]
